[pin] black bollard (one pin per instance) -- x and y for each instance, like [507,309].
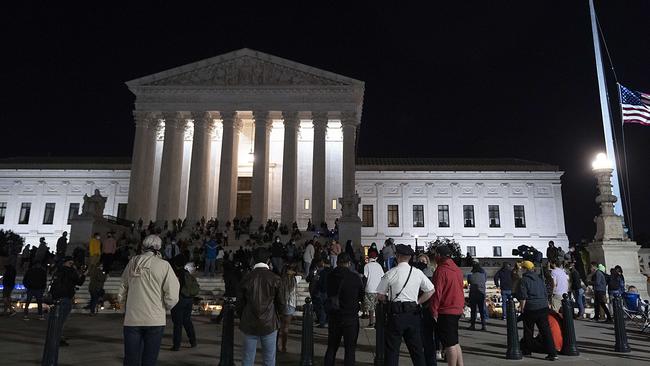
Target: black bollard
[568,330]
[228,333]
[307,344]
[619,326]
[380,332]
[514,350]
[52,337]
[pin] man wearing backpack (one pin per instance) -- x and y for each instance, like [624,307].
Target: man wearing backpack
[182,312]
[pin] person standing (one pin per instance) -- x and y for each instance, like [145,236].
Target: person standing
[62,246]
[277,255]
[477,289]
[41,252]
[401,287]
[551,252]
[148,288]
[373,272]
[345,292]
[94,250]
[64,285]
[308,257]
[599,283]
[35,281]
[429,340]
[109,246]
[533,305]
[560,286]
[503,281]
[8,283]
[447,304]
[335,250]
[259,305]
[182,311]
[210,257]
[289,286]
[388,252]
[96,286]
[577,290]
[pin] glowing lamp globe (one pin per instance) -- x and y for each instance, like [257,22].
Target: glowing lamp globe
[601,162]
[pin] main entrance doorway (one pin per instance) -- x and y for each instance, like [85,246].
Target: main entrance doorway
[244,196]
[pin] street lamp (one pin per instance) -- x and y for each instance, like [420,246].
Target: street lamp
[601,163]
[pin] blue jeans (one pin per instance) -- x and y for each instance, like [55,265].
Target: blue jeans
[579,299]
[64,307]
[322,314]
[389,263]
[333,259]
[268,349]
[504,300]
[182,318]
[141,345]
[210,266]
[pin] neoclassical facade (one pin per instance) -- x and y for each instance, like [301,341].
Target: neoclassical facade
[196,126]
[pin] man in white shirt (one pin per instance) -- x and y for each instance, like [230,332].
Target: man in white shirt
[401,286]
[560,286]
[308,257]
[373,272]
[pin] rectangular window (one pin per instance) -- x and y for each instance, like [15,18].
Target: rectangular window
[367,214]
[496,251]
[493,211]
[443,215]
[334,204]
[121,210]
[3,212]
[393,216]
[306,203]
[418,215]
[472,251]
[48,216]
[25,208]
[520,216]
[468,215]
[73,211]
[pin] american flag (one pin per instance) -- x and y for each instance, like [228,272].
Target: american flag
[635,106]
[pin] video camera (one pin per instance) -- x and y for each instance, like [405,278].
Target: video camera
[528,253]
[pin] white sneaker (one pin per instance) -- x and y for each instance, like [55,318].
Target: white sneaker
[438,355]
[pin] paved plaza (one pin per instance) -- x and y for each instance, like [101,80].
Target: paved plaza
[98,341]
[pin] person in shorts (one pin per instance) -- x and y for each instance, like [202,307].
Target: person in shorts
[372,272]
[447,304]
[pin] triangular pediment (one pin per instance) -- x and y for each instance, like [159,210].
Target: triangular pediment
[245,67]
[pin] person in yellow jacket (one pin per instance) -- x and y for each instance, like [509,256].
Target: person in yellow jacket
[94,250]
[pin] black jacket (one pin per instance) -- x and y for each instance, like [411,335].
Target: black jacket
[65,282]
[259,302]
[533,291]
[35,278]
[350,293]
[503,279]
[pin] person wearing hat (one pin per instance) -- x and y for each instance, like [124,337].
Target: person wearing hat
[533,305]
[64,285]
[401,287]
[372,272]
[148,289]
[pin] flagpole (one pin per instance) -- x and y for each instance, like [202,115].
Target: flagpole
[605,111]
[628,194]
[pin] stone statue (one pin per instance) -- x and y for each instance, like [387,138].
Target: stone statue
[94,205]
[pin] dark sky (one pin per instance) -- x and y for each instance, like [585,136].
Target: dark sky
[472,79]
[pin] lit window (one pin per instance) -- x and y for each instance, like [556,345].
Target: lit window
[25,208]
[367,219]
[334,204]
[393,216]
[496,251]
[493,211]
[48,215]
[520,216]
[471,250]
[73,211]
[306,203]
[3,212]
[468,215]
[443,215]
[418,215]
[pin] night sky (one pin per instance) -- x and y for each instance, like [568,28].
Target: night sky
[472,79]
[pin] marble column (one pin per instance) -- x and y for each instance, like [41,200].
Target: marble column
[289,168]
[227,201]
[198,189]
[137,204]
[259,196]
[349,223]
[169,189]
[318,169]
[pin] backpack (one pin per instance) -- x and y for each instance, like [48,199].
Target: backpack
[190,285]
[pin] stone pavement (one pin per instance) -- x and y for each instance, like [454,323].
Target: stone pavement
[98,340]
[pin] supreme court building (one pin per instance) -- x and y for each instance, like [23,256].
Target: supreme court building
[247,133]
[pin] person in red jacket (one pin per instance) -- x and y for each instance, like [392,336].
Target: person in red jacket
[447,304]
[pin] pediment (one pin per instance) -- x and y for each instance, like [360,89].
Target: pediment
[245,68]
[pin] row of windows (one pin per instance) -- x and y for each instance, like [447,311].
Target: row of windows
[308,204]
[367,216]
[496,251]
[48,213]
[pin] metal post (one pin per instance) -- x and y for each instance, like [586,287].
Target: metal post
[307,344]
[228,333]
[380,329]
[52,337]
[514,350]
[569,332]
[619,326]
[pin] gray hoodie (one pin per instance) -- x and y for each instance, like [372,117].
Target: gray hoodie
[149,287]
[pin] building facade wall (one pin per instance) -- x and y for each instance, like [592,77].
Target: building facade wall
[538,192]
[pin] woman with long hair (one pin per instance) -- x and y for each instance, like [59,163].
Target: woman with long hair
[477,290]
[289,289]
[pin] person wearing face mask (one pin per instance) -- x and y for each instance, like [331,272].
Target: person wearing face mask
[94,250]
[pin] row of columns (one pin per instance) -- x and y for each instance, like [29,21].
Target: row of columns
[168,200]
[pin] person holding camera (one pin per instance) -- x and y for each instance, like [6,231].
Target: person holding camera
[63,288]
[400,287]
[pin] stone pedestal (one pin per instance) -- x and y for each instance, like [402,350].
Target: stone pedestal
[349,222]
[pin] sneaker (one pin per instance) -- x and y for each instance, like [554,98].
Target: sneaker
[551,358]
[25,317]
[483,329]
[63,343]
[439,355]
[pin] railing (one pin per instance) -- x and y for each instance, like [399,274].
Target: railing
[119,221]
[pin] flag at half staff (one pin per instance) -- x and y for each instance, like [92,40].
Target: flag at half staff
[635,106]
